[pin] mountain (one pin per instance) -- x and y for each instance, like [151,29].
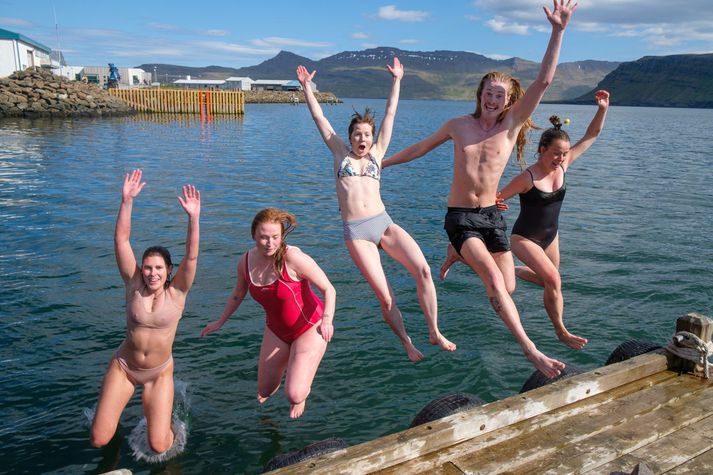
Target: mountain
[429,74]
[683,80]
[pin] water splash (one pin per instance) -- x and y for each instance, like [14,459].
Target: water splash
[89,413]
[138,439]
[139,442]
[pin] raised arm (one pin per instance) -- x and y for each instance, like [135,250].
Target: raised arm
[307,268]
[594,129]
[125,260]
[387,125]
[559,18]
[191,204]
[330,137]
[236,298]
[421,148]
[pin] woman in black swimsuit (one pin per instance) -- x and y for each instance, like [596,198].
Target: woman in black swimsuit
[541,187]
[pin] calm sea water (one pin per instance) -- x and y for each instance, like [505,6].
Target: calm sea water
[636,253]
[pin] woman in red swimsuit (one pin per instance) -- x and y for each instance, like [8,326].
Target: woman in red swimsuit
[154,304]
[298,325]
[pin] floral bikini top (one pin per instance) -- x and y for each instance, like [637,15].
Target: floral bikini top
[372,169]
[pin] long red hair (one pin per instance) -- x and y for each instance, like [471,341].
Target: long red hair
[287,221]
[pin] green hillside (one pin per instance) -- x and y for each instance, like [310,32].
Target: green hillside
[684,80]
[452,75]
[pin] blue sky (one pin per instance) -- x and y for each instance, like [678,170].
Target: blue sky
[236,34]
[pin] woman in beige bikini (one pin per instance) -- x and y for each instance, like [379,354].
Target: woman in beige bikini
[154,304]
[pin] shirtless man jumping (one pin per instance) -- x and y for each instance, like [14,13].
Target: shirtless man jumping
[482,145]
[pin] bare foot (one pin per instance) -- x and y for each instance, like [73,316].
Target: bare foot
[548,366]
[296,410]
[442,341]
[573,341]
[262,399]
[412,352]
[451,258]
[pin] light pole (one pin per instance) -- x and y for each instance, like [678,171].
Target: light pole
[155,76]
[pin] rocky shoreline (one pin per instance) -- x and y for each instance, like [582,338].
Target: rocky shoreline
[43,94]
[286,97]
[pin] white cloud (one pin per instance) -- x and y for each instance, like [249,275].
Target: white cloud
[177,52]
[12,22]
[408,41]
[275,41]
[496,56]
[162,26]
[359,35]
[235,48]
[500,25]
[213,32]
[389,12]
[654,22]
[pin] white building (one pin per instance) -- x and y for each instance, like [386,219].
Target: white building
[189,83]
[240,83]
[130,77]
[18,52]
[279,85]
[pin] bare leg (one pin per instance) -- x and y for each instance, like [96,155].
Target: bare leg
[480,260]
[306,353]
[365,255]
[451,258]
[115,394]
[401,246]
[542,265]
[506,265]
[274,354]
[158,408]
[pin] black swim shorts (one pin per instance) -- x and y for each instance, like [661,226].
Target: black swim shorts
[486,224]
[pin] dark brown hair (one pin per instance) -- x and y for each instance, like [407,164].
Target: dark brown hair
[161,252]
[366,118]
[552,134]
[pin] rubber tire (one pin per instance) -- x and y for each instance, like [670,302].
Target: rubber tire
[446,405]
[537,379]
[629,349]
[312,450]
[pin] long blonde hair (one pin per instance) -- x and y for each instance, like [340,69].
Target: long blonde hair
[516,92]
[287,221]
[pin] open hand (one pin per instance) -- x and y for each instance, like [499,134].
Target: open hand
[326,330]
[191,201]
[501,204]
[132,185]
[210,328]
[397,70]
[561,14]
[304,76]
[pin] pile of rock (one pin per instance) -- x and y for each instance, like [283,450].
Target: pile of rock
[289,97]
[39,93]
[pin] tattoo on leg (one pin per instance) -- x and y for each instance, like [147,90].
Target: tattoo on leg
[497,306]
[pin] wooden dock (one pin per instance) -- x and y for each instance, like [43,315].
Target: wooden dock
[606,421]
[183,101]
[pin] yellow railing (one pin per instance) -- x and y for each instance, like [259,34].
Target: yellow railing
[183,101]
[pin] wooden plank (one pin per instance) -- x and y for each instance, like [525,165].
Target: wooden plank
[669,452]
[571,449]
[548,441]
[402,446]
[430,461]
[701,464]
